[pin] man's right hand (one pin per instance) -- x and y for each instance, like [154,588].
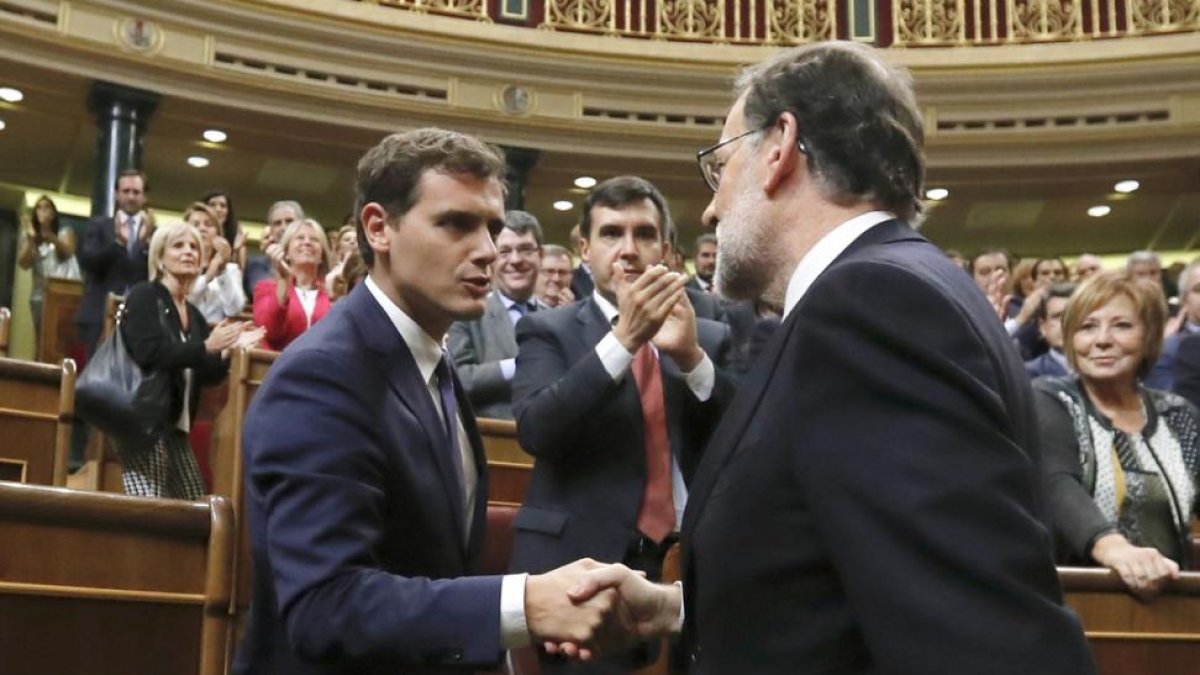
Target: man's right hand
[644,303]
[597,623]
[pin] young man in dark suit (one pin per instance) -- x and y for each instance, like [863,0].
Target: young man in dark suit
[114,253]
[366,482]
[615,397]
[870,502]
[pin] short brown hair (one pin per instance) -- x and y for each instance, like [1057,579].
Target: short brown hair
[389,173]
[1099,290]
[622,191]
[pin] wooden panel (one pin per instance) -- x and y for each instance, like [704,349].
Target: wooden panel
[143,582]
[61,635]
[5,329]
[508,482]
[59,334]
[37,402]
[1131,637]
[500,441]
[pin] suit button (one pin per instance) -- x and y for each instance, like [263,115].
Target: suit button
[696,655]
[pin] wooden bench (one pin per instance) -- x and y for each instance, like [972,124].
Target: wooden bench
[1131,637]
[59,337]
[37,404]
[98,583]
[5,330]
[509,468]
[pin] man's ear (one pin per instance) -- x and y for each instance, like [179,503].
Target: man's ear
[783,155]
[375,226]
[583,250]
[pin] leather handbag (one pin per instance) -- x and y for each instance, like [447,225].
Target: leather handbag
[114,394]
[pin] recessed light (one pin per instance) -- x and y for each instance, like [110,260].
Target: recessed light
[1127,186]
[585,182]
[936,194]
[215,135]
[2,125]
[197,161]
[1099,211]
[10,95]
[563,205]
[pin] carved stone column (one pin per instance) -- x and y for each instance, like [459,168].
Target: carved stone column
[520,162]
[121,115]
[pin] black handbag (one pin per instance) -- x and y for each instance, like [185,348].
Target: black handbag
[114,394]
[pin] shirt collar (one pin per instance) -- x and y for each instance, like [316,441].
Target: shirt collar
[606,307]
[1189,327]
[425,350]
[509,302]
[822,255]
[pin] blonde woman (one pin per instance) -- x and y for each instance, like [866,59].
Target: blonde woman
[217,291]
[165,332]
[1120,461]
[295,299]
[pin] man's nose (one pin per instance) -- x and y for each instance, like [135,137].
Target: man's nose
[709,218]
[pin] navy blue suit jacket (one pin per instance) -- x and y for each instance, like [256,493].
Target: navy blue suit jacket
[1045,366]
[355,513]
[108,268]
[587,436]
[870,502]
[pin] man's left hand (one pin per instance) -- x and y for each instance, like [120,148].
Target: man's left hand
[677,337]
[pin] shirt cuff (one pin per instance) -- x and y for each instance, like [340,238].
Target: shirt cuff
[508,368]
[678,627]
[614,356]
[1011,326]
[702,379]
[514,631]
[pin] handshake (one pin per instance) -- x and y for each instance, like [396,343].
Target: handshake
[588,608]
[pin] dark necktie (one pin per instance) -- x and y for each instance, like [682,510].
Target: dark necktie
[656,519]
[131,225]
[450,415]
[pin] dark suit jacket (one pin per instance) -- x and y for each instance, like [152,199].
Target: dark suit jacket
[154,347]
[1187,369]
[356,515]
[870,501]
[586,433]
[582,283]
[1044,366]
[707,305]
[478,347]
[108,268]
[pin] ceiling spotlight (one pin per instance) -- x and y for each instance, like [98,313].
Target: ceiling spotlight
[2,125]
[10,95]
[585,182]
[1127,186]
[563,205]
[936,194]
[215,135]
[1099,211]
[197,161]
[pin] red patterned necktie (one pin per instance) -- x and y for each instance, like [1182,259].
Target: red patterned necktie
[657,516]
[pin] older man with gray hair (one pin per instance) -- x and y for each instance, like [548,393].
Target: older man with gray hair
[279,216]
[870,501]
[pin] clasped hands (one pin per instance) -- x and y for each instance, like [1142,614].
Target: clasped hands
[588,608]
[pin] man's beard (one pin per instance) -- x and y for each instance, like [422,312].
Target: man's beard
[747,260]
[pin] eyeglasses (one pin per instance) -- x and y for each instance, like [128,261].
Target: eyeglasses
[523,251]
[710,166]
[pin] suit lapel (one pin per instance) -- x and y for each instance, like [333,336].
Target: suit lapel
[405,380]
[498,329]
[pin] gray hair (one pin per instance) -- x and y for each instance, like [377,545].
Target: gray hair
[1139,257]
[555,251]
[523,222]
[858,120]
[291,204]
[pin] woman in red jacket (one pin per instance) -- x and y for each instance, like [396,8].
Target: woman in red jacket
[295,299]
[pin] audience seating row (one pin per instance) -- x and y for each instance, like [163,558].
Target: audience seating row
[97,583]
[1127,636]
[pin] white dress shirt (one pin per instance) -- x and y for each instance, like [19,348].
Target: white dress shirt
[822,255]
[426,351]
